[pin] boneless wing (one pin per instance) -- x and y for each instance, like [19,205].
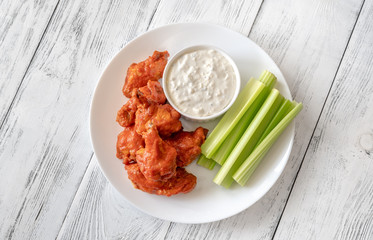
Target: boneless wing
[152,93]
[143,118]
[167,120]
[157,161]
[139,74]
[127,114]
[181,182]
[128,143]
[187,145]
[164,117]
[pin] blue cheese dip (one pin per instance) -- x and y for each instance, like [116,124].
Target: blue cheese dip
[201,83]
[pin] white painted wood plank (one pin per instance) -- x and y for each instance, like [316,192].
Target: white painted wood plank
[307,40]
[237,15]
[100,212]
[44,144]
[332,196]
[22,24]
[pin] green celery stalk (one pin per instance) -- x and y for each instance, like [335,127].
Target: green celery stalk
[268,79]
[206,162]
[234,136]
[242,175]
[244,100]
[285,108]
[249,138]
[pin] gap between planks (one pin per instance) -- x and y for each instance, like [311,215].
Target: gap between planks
[318,119]
[256,16]
[151,18]
[27,69]
[75,195]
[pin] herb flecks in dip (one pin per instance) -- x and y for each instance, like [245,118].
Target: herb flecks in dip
[201,83]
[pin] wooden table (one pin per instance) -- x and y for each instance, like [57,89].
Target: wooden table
[53,52]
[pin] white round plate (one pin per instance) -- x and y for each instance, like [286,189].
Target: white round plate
[207,202]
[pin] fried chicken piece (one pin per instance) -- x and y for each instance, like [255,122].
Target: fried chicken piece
[128,143]
[157,161]
[164,117]
[152,93]
[181,182]
[139,74]
[187,145]
[167,120]
[144,116]
[127,114]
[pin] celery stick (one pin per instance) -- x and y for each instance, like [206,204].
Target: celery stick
[244,100]
[250,164]
[285,108]
[206,162]
[268,79]
[235,113]
[249,139]
[234,136]
[227,181]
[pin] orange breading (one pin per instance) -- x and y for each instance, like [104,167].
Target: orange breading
[181,182]
[128,143]
[157,161]
[139,74]
[187,145]
[164,117]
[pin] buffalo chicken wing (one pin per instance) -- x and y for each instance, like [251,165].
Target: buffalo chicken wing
[152,93]
[181,182]
[149,94]
[139,74]
[157,161]
[164,117]
[127,114]
[128,143]
[187,145]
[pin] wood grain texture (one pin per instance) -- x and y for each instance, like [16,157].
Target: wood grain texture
[44,142]
[100,212]
[296,35]
[22,24]
[332,196]
[238,15]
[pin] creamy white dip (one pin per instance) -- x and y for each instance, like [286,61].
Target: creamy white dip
[201,83]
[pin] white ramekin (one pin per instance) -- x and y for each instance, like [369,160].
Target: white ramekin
[191,49]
